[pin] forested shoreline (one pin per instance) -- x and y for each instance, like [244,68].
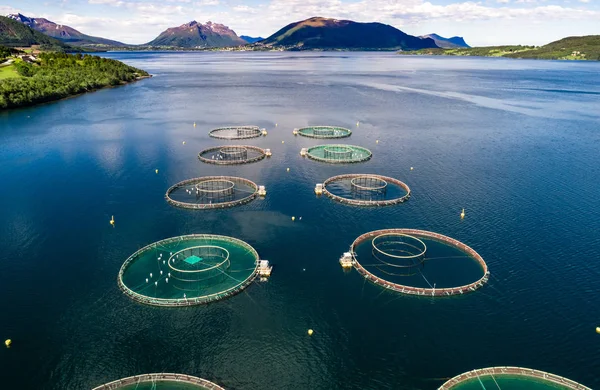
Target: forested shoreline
[54,76]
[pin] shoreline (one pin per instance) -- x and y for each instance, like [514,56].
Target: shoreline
[123,83]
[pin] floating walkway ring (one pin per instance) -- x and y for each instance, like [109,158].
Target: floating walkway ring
[153,379]
[324,132]
[362,202]
[174,256]
[241,185]
[227,190]
[381,187]
[411,290]
[338,153]
[253,154]
[236,132]
[551,380]
[413,256]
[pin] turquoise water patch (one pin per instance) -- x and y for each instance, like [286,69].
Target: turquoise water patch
[193,260]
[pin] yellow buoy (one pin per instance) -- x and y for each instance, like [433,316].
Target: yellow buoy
[282,142]
[597,330]
[293,218]
[462,214]
[275,124]
[310,332]
[184,142]
[112,220]
[156,170]
[376,141]
[194,124]
[357,123]
[8,343]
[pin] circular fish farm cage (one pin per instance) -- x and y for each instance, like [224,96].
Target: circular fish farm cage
[212,192]
[366,190]
[417,262]
[339,154]
[189,270]
[236,132]
[231,155]
[162,381]
[510,378]
[324,132]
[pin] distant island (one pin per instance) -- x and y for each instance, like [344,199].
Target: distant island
[446,43]
[571,48]
[251,39]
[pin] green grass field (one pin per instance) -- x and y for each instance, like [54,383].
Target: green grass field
[8,71]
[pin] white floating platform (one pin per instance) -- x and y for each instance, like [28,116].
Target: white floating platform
[346,260]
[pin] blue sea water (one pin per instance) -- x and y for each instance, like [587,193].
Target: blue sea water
[516,143]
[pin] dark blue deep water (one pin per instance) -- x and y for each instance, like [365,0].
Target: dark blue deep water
[516,143]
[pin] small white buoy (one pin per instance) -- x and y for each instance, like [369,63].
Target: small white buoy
[300,219]
[275,124]
[282,142]
[357,123]
[156,283]
[161,272]
[156,170]
[170,253]
[310,332]
[411,168]
[376,141]
[112,220]
[194,124]
[288,169]
[293,218]
[184,142]
[167,280]
[163,262]
[303,269]
[462,214]
[169,274]
[150,275]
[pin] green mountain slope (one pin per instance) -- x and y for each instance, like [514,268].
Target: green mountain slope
[63,33]
[323,33]
[15,34]
[571,48]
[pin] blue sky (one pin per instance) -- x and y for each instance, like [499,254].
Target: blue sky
[486,22]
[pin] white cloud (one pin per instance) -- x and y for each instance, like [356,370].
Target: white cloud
[246,9]
[203,3]
[584,1]
[503,1]
[115,3]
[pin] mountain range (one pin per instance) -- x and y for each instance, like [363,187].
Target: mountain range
[63,33]
[16,34]
[198,35]
[446,43]
[311,34]
[325,33]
